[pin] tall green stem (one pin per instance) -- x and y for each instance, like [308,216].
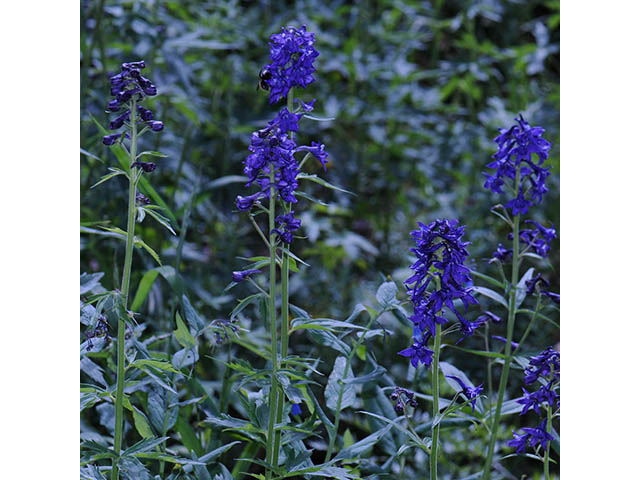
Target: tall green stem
[435,388]
[507,349]
[336,423]
[124,289]
[273,394]
[284,329]
[547,450]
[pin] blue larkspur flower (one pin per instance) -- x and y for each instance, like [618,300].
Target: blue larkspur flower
[286,225]
[469,391]
[241,276]
[542,365]
[317,150]
[440,254]
[503,254]
[418,352]
[124,86]
[295,409]
[531,437]
[516,146]
[292,55]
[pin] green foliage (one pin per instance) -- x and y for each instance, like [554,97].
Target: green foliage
[410,95]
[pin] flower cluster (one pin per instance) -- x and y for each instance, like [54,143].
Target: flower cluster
[440,256]
[127,85]
[287,224]
[538,238]
[544,368]
[292,56]
[516,145]
[403,397]
[470,392]
[531,437]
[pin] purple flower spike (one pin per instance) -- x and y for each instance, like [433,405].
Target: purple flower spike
[292,56]
[516,146]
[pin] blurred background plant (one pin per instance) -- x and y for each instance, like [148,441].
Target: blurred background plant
[418,91]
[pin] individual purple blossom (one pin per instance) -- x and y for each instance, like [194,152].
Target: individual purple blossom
[111,139]
[141,199]
[531,437]
[516,146]
[243,274]
[469,391]
[502,253]
[286,225]
[306,107]
[295,409]
[292,55]
[156,126]
[245,203]
[146,167]
[317,150]
[418,352]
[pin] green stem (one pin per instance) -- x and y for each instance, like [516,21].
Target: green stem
[284,329]
[547,450]
[273,394]
[534,315]
[124,289]
[507,350]
[336,423]
[435,388]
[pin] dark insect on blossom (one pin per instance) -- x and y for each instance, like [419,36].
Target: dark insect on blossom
[440,254]
[287,224]
[469,391]
[243,274]
[127,86]
[402,397]
[264,77]
[292,55]
[147,167]
[531,437]
[516,146]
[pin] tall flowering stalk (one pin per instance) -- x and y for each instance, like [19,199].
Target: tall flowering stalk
[440,254]
[273,166]
[524,176]
[129,88]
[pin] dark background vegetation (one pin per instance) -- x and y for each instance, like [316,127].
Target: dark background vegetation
[418,91]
